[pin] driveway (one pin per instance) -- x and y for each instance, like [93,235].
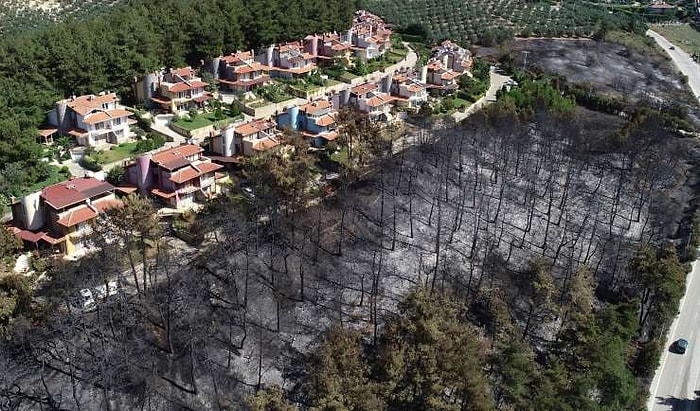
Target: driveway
[682,60]
[496,82]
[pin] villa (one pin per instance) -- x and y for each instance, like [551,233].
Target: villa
[175,91]
[92,119]
[177,176]
[61,216]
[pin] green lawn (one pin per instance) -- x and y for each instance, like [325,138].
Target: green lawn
[682,35]
[54,177]
[120,152]
[201,120]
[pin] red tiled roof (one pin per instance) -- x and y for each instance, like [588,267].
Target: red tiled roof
[316,106]
[450,75]
[83,104]
[204,97]
[47,131]
[326,120]
[182,72]
[185,174]
[265,144]
[182,86]
[162,194]
[249,68]
[253,127]
[364,88]
[77,132]
[208,167]
[161,99]
[101,116]
[296,70]
[103,205]
[74,191]
[77,216]
[183,150]
[379,100]
[237,57]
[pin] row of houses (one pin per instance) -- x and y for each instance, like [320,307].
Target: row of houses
[59,216]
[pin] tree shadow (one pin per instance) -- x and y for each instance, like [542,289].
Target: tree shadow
[679,404]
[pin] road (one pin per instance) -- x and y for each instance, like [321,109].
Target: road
[676,384]
[496,82]
[681,60]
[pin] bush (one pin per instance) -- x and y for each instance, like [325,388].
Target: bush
[117,175]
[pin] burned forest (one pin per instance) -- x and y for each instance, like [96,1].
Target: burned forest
[501,212]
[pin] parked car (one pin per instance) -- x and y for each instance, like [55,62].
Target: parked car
[680,346]
[248,192]
[672,48]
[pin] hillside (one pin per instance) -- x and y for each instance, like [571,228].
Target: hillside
[487,22]
[18,15]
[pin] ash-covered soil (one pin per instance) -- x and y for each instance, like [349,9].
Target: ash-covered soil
[611,69]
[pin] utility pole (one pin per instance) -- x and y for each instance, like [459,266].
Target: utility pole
[525,53]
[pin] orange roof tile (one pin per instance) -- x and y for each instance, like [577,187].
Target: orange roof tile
[184,174]
[208,167]
[182,72]
[330,136]
[77,216]
[378,100]
[101,116]
[103,205]
[47,131]
[239,57]
[253,127]
[183,150]
[364,88]
[316,106]
[326,120]
[265,144]
[182,86]
[83,104]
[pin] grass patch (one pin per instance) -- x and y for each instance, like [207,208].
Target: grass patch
[636,42]
[56,175]
[347,77]
[682,35]
[120,152]
[201,120]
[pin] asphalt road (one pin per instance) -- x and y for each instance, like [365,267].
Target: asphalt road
[681,60]
[676,384]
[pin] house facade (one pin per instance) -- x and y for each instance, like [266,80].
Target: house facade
[257,136]
[447,63]
[174,91]
[290,60]
[62,215]
[408,91]
[240,73]
[92,119]
[371,37]
[315,121]
[178,176]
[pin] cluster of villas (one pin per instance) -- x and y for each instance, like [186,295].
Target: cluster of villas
[59,216]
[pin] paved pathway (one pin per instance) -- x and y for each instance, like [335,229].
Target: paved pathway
[675,384]
[682,60]
[496,82]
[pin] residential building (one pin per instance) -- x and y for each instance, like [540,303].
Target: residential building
[174,91]
[61,216]
[369,99]
[257,136]
[329,48]
[290,60]
[177,176]
[239,72]
[92,119]
[408,91]
[315,121]
[447,63]
[371,37]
